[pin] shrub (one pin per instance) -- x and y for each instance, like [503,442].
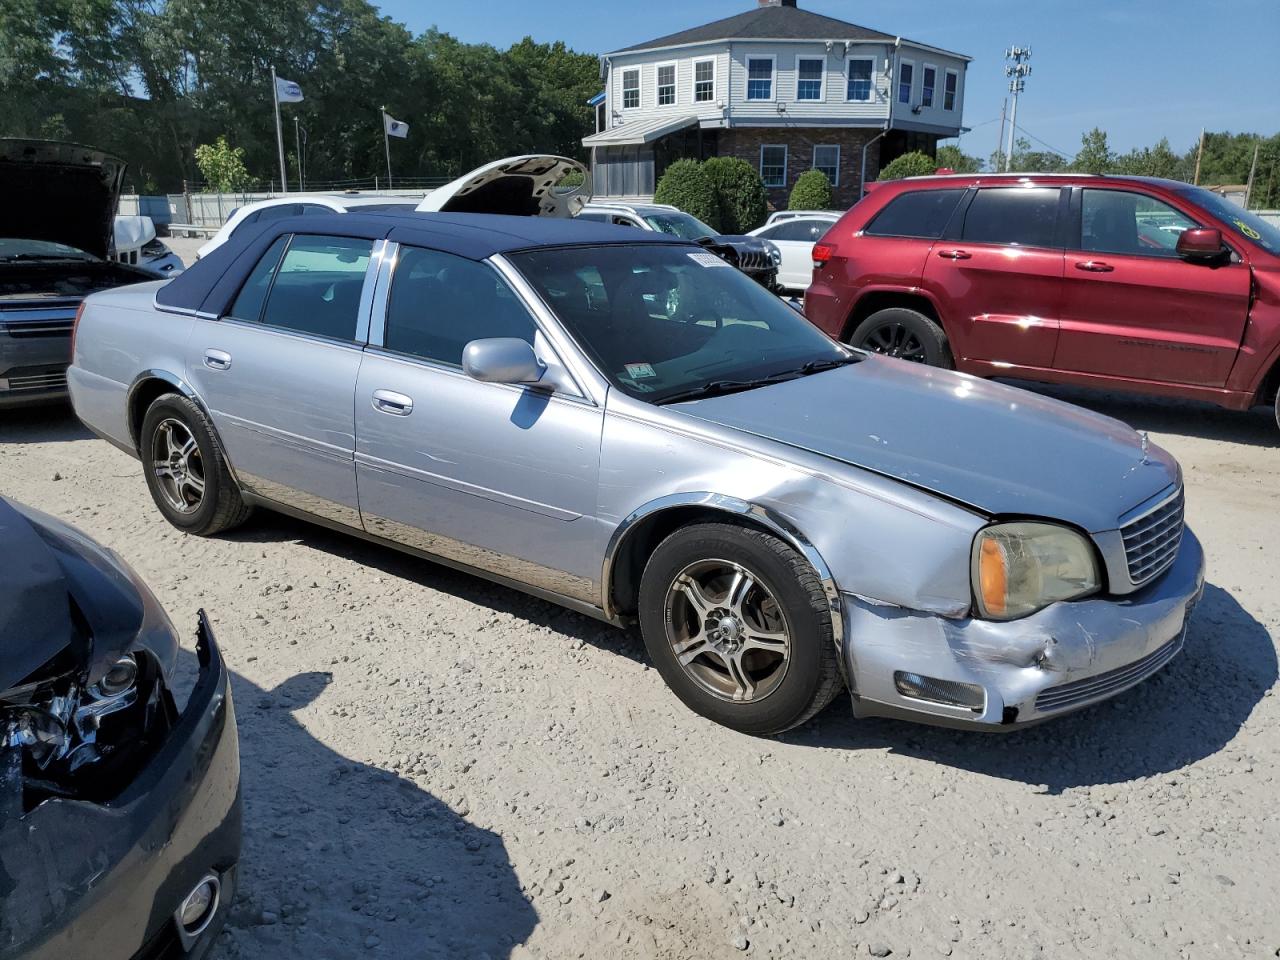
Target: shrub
[914,164]
[811,192]
[686,185]
[740,193]
[222,166]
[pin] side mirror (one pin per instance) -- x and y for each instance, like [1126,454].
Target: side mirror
[502,360]
[1200,243]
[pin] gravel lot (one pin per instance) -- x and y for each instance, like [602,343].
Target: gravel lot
[437,767]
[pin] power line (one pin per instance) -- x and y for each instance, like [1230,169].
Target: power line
[1052,148]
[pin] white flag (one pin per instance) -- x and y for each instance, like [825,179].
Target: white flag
[287,91]
[395,128]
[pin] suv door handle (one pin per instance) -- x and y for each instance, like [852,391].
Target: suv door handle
[396,404]
[217,360]
[1094,266]
[955,254]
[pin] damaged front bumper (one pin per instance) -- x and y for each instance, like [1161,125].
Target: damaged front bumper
[1000,675]
[81,879]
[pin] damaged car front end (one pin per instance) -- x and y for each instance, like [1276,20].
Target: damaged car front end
[119,809]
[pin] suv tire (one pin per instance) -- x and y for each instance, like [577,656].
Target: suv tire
[904,333]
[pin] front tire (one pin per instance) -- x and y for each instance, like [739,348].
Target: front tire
[906,334]
[739,626]
[185,470]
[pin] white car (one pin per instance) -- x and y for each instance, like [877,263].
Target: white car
[300,204]
[794,233]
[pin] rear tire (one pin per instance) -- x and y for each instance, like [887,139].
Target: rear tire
[904,333]
[185,470]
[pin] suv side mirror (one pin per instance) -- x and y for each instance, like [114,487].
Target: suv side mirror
[502,360]
[1200,243]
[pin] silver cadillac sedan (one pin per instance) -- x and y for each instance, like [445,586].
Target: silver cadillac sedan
[621,423]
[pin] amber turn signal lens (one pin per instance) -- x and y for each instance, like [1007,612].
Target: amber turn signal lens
[993,577]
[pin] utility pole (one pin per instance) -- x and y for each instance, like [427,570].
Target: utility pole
[1199,154]
[1004,106]
[1017,71]
[1253,168]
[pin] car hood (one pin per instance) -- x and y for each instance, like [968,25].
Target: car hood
[518,186]
[1000,450]
[62,192]
[133,232]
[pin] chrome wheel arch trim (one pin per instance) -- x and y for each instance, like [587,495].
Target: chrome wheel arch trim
[184,388]
[771,520]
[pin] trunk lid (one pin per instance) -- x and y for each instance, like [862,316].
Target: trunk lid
[518,186]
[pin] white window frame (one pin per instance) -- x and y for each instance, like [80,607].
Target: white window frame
[933,94]
[658,85]
[897,82]
[871,79]
[835,181]
[639,99]
[956,97]
[714,80]
[822,80]
[786,159]
[773,77]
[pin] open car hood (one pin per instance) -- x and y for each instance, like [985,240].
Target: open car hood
[61,192]
[133,233]
[517,186]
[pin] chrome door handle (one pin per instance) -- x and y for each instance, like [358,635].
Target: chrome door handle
[396,404]
[217,360]
[955,254]
[1094,266]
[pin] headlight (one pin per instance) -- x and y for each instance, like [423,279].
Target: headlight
[775,254]
[1019,568]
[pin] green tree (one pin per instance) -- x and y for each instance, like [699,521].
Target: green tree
[1095,154]
[222,166]
[952,157]
[1026,160]
[686,185]
[741,198]
[913,164]
[811,192]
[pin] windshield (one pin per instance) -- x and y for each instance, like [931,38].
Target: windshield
[1240,220]
[680,225]
[661,321]
[16,248]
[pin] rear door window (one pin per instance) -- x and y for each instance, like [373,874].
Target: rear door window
[920,213]
[248,303]
[317,287]
[1014,216]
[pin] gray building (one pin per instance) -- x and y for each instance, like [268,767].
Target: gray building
[783,88]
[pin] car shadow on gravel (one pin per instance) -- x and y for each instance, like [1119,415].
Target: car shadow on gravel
[343,858]
[48,423]
[269,527]
[1188,418]
[1183,714]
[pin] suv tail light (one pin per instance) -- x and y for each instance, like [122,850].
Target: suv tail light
[822,252]
[75,326]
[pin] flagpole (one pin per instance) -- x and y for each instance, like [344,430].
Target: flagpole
[275,99]
[386,143]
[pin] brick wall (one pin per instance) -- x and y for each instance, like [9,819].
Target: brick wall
[745,142]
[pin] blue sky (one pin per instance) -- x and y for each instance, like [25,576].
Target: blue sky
[1140,69]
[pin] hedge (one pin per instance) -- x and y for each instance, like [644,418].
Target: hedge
[686,185]
[914,164]
[740,194]
[811,192]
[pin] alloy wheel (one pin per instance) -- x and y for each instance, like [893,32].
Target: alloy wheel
[895,340]
[178,466]
[727,630]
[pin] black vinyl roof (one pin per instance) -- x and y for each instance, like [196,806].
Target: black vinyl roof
[767,23]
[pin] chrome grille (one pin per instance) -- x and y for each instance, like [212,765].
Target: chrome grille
[1151,541]
[1104,685]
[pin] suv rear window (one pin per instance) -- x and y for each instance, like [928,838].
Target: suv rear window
[920,213]
[1018,216]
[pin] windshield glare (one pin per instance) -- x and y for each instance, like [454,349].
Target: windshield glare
[679,225]
[1237,218]
[660,320]
[22,247]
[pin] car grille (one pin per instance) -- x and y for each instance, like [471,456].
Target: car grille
[1151,541]
[38,381]
[30,329]
[1103,685]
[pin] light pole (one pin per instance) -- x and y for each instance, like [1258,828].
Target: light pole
[1017,70]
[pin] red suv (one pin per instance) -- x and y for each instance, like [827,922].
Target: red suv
[1119,282]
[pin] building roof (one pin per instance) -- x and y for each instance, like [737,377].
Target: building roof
[773,22]
[639,131]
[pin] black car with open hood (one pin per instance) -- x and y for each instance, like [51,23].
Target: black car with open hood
[56,230]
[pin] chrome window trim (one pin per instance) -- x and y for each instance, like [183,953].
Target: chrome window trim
[267,328]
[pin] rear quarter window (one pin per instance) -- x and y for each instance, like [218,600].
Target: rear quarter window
[919,213]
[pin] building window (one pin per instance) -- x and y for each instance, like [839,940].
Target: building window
[859,86]
[773,164]
[930,77]
[826,157]
[759,78]
[630,89]
[949,91]
[704,81]
[906,75]
[809,73]
[666,84]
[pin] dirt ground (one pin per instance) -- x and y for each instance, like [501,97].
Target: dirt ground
[437,767]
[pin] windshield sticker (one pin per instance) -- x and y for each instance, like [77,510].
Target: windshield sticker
[640,371]
[707,259]
[1247,230]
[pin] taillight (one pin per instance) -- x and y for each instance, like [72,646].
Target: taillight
[822,252]
[75,326]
